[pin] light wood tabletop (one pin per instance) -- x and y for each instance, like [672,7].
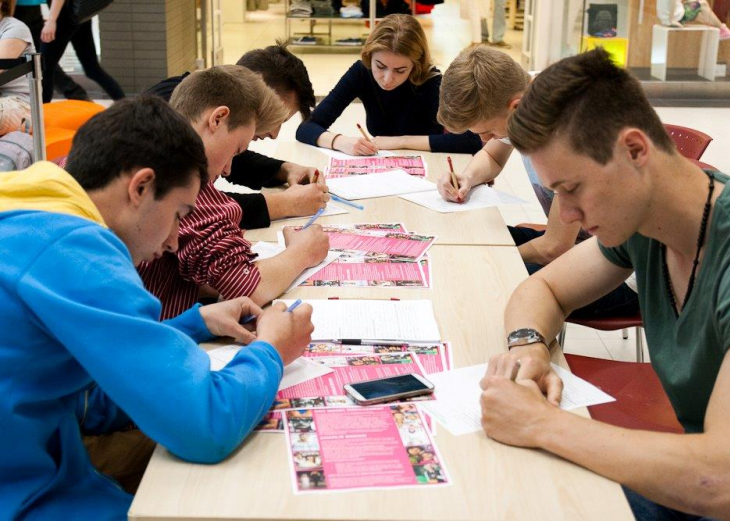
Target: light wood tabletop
[490,481]
[482,227]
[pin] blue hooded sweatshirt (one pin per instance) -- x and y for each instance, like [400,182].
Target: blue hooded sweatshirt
[74,314]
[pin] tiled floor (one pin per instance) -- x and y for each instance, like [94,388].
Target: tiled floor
[447,35]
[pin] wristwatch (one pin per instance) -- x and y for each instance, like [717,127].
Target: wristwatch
[523,337]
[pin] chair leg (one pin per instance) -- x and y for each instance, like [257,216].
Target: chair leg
[561,335]
[639,345]
[625,333]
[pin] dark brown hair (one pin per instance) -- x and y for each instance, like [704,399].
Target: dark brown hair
[588,99]
[283,72]
[144,132]
[7,8]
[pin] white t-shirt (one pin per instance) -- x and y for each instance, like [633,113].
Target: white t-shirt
[13,28]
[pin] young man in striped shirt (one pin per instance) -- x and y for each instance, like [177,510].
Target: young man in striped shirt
[227,105]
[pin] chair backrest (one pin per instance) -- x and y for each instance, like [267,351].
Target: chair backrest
[641,402]
[691,143]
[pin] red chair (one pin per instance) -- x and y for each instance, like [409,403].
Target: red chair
[611,324]
[641,402]
[690,143]
[702,165]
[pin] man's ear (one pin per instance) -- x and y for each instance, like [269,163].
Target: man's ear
[218,116]
[141,185]
[636,145]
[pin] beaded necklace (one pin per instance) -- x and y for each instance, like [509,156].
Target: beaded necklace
[700,242]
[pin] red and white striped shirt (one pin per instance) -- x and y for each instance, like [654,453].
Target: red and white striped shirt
[212,252]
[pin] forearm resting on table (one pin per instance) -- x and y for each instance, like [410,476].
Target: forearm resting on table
[416,143]
[557,239]
[325,139]
[277,274]
[687,472]
[278,205]
[541,250]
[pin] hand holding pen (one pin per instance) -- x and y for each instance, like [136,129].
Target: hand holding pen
[287,329]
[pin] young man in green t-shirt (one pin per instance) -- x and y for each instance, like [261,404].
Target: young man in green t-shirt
[594,139]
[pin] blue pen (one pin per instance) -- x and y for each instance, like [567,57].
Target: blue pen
[345,201]
[294,305]
[251,318]
[313,218]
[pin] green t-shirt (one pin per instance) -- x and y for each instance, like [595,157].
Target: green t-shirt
[686,352]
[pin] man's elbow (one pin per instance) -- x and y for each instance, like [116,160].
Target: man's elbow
[713,497]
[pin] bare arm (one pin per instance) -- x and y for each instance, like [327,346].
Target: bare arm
[48,34]
[11,48]
[305,248]
[574,280]
[687,472]
[558,239]
[403,142]
[483,168]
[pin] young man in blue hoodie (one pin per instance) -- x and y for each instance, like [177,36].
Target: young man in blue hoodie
[81,342]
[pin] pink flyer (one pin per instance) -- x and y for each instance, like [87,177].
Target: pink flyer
[365,273]
[380,244]
[328,391]
[377,227]
[376,242]
[362,448]
[434,357]
[414,165]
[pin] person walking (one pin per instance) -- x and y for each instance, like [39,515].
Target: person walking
[60,29]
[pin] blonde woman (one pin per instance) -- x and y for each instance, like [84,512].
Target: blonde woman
[399,88]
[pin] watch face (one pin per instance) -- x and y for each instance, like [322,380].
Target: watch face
[520,334]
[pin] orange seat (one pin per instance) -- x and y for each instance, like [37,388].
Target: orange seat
[641,402]
[58,142]
[69,114]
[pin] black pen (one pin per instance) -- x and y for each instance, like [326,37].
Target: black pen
[358,342]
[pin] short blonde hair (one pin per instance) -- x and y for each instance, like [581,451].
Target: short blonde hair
[401,34]
[478,85]
[249,99]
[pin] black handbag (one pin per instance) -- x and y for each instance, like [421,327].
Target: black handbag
[83,10]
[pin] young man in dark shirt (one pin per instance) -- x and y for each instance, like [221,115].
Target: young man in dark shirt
[286,74]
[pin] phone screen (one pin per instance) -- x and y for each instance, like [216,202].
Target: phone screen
[389,386]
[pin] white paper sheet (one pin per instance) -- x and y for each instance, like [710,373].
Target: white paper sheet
[341,155]
[458,409]
[480,197]
[396,182]
[406,320]
[266,250]
[300,370]
[331,209]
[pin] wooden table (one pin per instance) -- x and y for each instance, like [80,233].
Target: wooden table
[490,481]
[483,227]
